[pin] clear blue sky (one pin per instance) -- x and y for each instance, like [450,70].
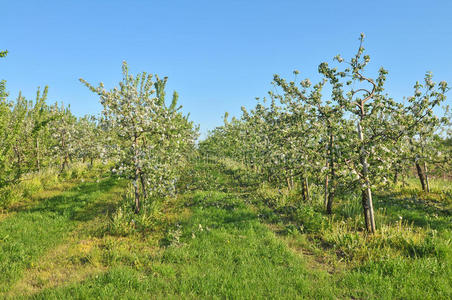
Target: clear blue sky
[219,55]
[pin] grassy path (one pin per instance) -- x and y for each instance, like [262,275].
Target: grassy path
[27,234]
[211,244]
[218,250]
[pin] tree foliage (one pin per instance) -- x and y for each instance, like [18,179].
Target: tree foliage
[148,137]
[351,140]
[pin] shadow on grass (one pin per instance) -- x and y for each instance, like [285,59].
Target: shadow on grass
[80,203]
[34,230]
[420,212]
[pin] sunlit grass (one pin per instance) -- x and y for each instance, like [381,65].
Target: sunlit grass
[41,223]
[221,250]
[224,235]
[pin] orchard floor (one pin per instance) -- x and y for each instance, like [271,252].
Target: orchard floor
[218,240]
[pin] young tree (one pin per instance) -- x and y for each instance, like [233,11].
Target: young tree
[425,125]
[40,133]
[151,136]
[327,130]
[89,139]
[380,120]
[64,135]
[299,125]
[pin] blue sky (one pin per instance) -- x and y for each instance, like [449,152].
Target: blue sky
[219,55]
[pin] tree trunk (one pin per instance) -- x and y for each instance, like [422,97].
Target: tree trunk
[329,206]
[65,163]
[143,186]
[137,192]
[38,162]
[19,160]
[396,173]
[288,183]
[137,175]
[366,192]
[427,184]
[308,197]
[63,146]
[303,189]
[420,174]
[366,210]
[325,200]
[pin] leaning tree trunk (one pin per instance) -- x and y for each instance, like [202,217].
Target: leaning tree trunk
[420,174]
[366,192]
[306,182]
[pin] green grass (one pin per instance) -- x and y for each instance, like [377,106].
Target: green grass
[221,251]
[409,257]
[224,235]
[35,229]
